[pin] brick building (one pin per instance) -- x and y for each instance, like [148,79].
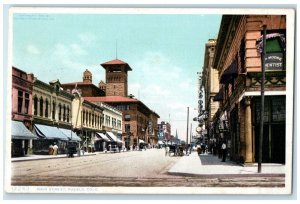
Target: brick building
[85,87]
[238,62]
[21,142]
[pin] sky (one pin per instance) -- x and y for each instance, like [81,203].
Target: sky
[165,52]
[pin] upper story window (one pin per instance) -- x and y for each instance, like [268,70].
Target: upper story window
[26,103]
[41,106]
[35,105]
[20,101]
[53,110]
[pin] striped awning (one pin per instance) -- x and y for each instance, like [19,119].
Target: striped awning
[114,137]
[19,131]
[102,136]
[70,134]
[49,132]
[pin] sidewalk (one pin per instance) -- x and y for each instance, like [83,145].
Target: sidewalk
[209,165]
[42,157]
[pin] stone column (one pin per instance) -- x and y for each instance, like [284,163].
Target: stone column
[30,150]
[248,131]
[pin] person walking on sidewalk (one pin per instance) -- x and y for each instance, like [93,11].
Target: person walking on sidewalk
[224,151]
[55,149]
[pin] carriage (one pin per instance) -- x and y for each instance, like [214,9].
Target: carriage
[177,150]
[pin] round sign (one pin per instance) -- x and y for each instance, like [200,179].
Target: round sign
[198,129]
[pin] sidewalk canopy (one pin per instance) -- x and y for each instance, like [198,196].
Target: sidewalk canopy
[229,73]
[19,131]
[70,134]
[103,136]
[49,132]
[113,137]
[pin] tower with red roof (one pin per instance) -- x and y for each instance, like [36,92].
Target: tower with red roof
[116,77]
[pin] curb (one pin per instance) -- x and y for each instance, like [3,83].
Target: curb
[225,175]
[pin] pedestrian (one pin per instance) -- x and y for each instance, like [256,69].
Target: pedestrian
[55,149]
[166,150]
[224,151]
[50,150]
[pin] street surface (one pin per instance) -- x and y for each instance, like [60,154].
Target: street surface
[135,169]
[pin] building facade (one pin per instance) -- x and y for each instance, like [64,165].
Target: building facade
[210,82]
[238,61]
[21,142]
[52,108]
[87,121]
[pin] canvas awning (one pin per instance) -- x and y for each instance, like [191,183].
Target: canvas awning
[229,73]
[114,137]
[49,132]
[160,142]
[19,131]
[102,136]
[141,141]
[70,134]
[218,96]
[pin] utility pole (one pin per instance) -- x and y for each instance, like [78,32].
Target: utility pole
[191,134]
[187,129]
[262,105]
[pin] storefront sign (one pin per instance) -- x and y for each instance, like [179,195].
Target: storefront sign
[273,61]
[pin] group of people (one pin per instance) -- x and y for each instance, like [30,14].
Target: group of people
[53,149]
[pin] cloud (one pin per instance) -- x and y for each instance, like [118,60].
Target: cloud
[32,49]
[87,37]
[77,50]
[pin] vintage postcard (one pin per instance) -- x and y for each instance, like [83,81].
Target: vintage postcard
[149,101]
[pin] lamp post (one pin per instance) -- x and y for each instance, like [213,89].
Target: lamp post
[262,105]
[187,129]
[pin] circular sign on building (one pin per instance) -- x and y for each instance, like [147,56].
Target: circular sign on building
[198,129]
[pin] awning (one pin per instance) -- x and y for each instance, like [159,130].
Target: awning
[19,131]
[141,141]
[70,134]
[229,73]
[270,36]
[103,136]
[218,96]
[113,137]
[160,142]
[49,132]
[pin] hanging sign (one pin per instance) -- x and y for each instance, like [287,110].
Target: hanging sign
[273,61]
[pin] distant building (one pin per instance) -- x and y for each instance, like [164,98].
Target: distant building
[210,82]
[165,131]
[86,86]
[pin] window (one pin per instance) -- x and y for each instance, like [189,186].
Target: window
[20,101]
[53,110]
[68,114]
[127,128]
[83,117]
[35,105]
[26,103]
[107,120]
[59,112]
[114,122]
[41,106]
[127,117]
[92,119]
[46,108]
[119,124]
[64,112]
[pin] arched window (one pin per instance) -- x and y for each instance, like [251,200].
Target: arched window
[46,108]
[83,117]
[64,112]
[68,114]
[35,105]
[53,110]
[59,111]
[41,106]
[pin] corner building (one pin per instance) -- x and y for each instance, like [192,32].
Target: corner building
[238,61]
